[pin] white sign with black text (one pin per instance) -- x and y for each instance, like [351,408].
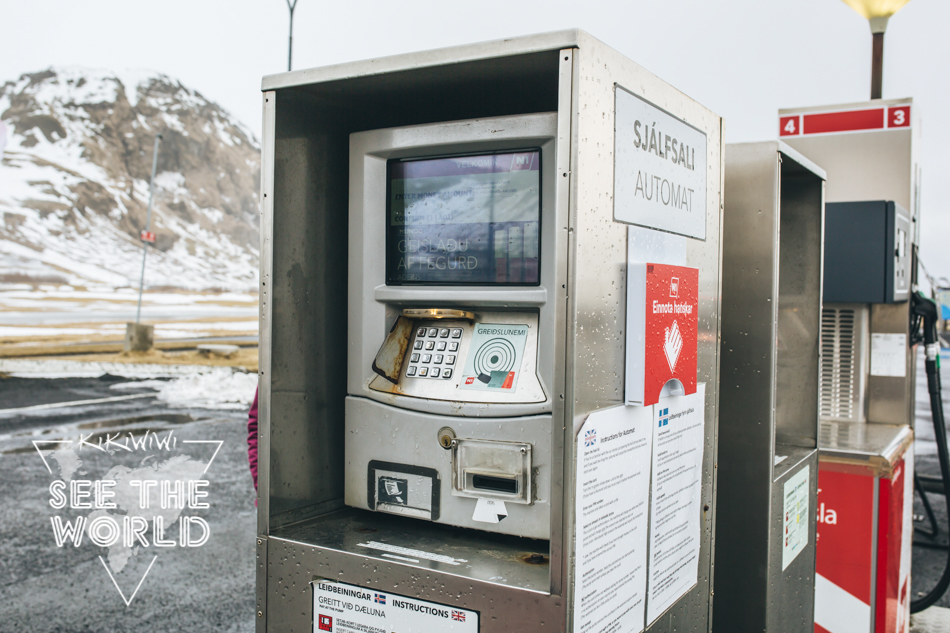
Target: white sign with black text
[676,500]
[342,608]
[659,168]
[612,500]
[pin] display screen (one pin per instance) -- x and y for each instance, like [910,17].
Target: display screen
[471,219]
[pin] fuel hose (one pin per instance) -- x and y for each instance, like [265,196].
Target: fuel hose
[925,313]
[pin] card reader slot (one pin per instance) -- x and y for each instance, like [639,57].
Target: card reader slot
[495,484]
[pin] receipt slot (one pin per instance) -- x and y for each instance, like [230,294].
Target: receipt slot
[451,438]
[768,432]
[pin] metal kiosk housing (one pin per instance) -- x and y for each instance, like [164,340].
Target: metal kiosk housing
[768,433]
[305,531]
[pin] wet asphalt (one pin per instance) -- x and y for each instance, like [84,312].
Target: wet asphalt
[47,588]
[210,588]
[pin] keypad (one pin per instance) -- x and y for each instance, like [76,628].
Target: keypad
[434,365]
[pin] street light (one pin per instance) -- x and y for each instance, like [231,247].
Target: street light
[877,13]
[290,43]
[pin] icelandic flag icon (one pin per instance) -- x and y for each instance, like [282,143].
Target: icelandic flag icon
[380,598]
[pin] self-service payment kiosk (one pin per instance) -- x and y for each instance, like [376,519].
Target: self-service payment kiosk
[768,433]
[467,255]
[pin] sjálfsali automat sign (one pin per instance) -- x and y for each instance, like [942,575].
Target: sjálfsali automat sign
[659,168]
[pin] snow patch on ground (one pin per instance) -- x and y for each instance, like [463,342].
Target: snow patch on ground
[221,388]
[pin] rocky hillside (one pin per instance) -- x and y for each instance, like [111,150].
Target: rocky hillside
[74,183]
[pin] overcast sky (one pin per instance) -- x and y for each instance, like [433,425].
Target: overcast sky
[744,59]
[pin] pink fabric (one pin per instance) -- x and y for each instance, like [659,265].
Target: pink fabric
[252,439]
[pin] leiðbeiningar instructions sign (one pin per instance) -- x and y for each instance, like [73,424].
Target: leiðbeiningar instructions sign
[659,168]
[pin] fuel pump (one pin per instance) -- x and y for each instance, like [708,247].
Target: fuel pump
[868,364]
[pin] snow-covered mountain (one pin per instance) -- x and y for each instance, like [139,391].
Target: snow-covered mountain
[74,183]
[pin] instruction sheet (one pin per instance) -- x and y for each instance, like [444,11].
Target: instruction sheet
[612,497]
[676,504]
[795,508]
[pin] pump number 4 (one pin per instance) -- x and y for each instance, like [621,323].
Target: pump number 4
[789,125]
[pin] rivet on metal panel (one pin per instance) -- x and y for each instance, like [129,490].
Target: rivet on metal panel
[260,542]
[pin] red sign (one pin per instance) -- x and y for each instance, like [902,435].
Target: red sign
[325,623]
[843,121]
[846,573]
[147,236]
[663,330]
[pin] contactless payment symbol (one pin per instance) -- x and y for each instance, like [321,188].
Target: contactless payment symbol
[494,358]
[494,361]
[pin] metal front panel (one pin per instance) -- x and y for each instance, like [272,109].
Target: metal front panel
[891,398]
[772,260]
[266,313]
[490,581]
[791,591]
[844,362]
[747,398]
[412,439]
[597,277]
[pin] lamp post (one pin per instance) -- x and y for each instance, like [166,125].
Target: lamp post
[290,43]
[146,235]
[877,12]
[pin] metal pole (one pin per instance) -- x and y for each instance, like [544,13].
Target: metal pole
[148,221]
[877,64]
[290,43]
